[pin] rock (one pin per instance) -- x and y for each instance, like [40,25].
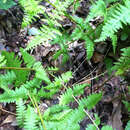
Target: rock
[33,31]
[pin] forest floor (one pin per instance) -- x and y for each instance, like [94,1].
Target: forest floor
[110,109]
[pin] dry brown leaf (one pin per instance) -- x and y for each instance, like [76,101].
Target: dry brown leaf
[9,119]
[115,119]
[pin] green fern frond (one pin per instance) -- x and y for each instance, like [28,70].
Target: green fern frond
[107,128]
[8,78]
[68,121]
[34,83]
[40,72]
[46,35]
[28,59]
[97,9]
[13,61]
[48,114]
[31,9]
[67,97]
[13,96]
[124,62]
[90,101]
[50,31]
[2,61]
[115,22]
[89,45]
[30,119]
[6,4]
[20,112]
[128,125]
[55,86]
[114,42]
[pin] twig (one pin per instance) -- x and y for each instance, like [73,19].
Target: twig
[7,111]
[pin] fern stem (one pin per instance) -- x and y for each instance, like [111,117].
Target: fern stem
[15,68]
[43,124]
[33,100]
[87,114]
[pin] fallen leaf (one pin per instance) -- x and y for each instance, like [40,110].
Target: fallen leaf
[9,119]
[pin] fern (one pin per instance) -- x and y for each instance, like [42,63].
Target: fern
[6,4]
[40,72]
[54,87]
[97,9]
[67,96]
[13,61]
[30,119]
[127,126]
[2,61]
[120,16]
[20,110]
[32,9]
[91,101]
[8,78]
[124,62]
[13,95]
[28,59]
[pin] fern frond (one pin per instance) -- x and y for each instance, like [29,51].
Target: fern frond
[89,45]
[28,59]
[31,9]
[90,101]
[8,78]
[40,72]
[13,96]
[34,83]
[20,112]
[13,61]
[97,9]
[115,22]
[55,86]
[114,42]
[30,119]
[46,35]
[2,61]
[128,125]
[67,97]
[123,63]
[49,113]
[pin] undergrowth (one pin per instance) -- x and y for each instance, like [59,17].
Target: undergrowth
[31,82]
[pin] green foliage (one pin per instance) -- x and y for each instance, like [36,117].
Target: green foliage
[127,126]
[67,96]
[114,18]
[2,60]
[31,9]
[6,4]
[13,95]
[127,105]
[20,109]
[30,119]
[123,64]
[91,101]
[97,9]
[120,16]
[12,61]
